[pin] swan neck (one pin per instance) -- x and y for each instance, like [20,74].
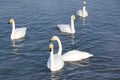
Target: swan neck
[13,26]
[13,30]
[84,8]
[52,59]
[72,26]
[60,47]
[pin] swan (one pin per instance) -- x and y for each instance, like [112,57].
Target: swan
[55,61]
[16,32]
[66,28]
[72,55]
[83,13]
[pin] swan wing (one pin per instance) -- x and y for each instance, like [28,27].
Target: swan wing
[64,28]
[79,13]
[20,32]
[75,55]
[85,13]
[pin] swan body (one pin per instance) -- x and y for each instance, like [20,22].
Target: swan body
[83,13]
[66,28]
[55,61]
[17,32]
[73,55]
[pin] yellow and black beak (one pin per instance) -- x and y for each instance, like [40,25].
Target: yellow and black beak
[50,40]
[50,47]
[75,19]
[84,4]
[9,23]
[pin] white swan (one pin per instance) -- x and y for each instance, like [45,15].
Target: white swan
[73,55]
[55,61]
[66,28]
[16,32]
[83,13]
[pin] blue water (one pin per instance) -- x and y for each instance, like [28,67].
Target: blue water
[26,59]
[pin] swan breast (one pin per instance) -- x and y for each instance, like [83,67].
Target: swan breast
[58,63]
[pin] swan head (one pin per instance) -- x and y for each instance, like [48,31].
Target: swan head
[11,21]
[84,3]
[53,38]
[51,47]
[73,17]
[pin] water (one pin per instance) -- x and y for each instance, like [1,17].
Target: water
[26,59]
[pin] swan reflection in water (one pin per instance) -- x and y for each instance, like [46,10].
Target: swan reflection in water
[73,40]
[16,47]
[84,21]
[55,75]
[70,66]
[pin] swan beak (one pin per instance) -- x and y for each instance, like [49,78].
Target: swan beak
[84,3]
[75,19]
[9,23]
[50,46]
[50,49]
[51,39]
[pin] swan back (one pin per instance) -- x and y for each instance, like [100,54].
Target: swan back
[65,28]
[75,55]
[19,32]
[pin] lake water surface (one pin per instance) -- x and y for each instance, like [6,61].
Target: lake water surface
[26,59]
